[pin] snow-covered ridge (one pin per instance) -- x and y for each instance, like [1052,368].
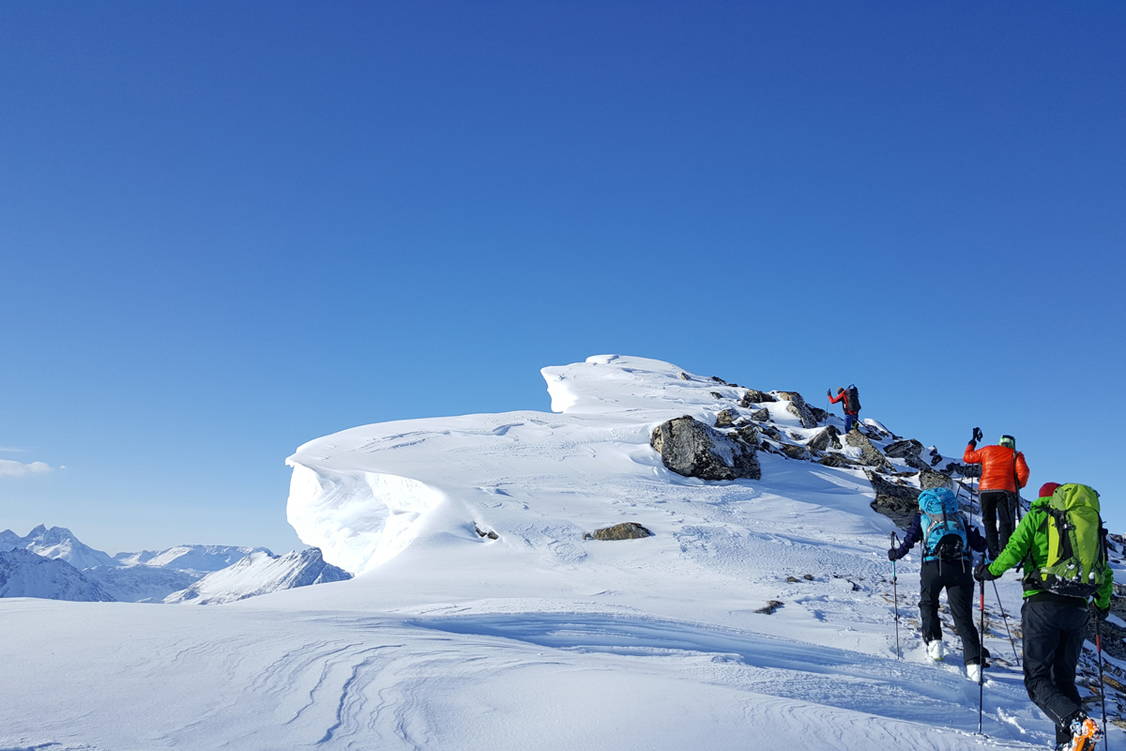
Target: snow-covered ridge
[259,573]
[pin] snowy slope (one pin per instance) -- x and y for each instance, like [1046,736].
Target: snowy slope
[259,573]
[538,638]
[140,583]
[25,574]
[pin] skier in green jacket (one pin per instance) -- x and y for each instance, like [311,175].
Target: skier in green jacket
[1055,612]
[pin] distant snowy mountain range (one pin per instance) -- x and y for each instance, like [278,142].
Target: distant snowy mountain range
[52,563]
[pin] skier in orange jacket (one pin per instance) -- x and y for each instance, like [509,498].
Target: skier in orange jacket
[1003,473]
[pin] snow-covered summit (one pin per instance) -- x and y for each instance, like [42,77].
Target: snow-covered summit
[56,542]
[258,573]
[197,558]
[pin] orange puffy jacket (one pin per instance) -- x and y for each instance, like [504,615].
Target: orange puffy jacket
[1001,467]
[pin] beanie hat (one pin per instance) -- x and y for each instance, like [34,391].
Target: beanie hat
[1009,441]
[1047,489]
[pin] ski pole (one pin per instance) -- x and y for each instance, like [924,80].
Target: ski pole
[895,598]
[980,655]
[1006,619]
[1102,686]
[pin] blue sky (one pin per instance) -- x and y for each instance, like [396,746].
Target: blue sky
[228,228]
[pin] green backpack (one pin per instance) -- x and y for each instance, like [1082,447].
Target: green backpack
[1076,543]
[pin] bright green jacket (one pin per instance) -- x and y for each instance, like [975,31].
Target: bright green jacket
[1030,539]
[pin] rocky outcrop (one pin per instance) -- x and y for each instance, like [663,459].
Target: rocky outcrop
[898,502]
[761,415]
[623,531]
[819,414]
[747,434]
[726,418]
[754,396]
[693,449]
[869,454]
[903,449]
[771,607]
[836,460]
[797,407]
[795,452]
[825,439]
[929,479]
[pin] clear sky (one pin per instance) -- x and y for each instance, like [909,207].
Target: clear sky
[231,227]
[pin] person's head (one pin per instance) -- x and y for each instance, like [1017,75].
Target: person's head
[840,389]
[1008,442]
[1047,489]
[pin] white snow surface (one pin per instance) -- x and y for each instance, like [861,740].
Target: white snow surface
[199,558]
[538,639]
[26,574]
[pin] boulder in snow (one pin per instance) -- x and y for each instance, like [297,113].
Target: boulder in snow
[898,502]
[693,449]
[869,454]
[726,418]
[824,439]
[754,396]
[623,531]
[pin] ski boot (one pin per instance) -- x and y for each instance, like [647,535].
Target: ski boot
[1085,734]
[935,650]
[973,672]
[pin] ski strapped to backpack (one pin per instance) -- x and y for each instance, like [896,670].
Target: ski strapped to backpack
[1077,559]
[944,528]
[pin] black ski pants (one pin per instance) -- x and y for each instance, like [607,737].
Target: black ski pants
[1054,630]
[997,506]
[956,578]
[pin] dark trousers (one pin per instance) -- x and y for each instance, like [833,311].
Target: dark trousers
[851,420]
[1054,629]
[997,506]
[957,579]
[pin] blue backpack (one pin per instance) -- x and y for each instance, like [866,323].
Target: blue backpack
[944,528]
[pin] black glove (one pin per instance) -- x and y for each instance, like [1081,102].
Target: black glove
[1099,613]
[978,435]
[829,393]
[893,554]
[983,574]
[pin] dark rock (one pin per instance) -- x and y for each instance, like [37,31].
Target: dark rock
[869,454]
[771,607]
[898,502]
[825,439]
[807,577]
[748,434]
[819,414]
[754,396]
[795,452]
[762,415]
[717,379]
[964,470]
[623,531]
[797,407]
[693,449]
[684,376]
[770,431]
[717,395]
[837,460]
[485,533]
[929,479]
[726,418]
[792,580]
[741,422]
[903,449]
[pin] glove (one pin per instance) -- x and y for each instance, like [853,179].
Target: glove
[829,393]
[983,574]
[893,554]
[978,435]
[1099,613]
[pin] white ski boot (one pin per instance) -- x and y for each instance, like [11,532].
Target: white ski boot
[973,672]
[935,650]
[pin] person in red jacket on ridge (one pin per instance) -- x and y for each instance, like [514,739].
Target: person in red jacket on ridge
[851,406]
[1003,473]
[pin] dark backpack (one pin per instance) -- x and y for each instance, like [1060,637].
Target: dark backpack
[852,399]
